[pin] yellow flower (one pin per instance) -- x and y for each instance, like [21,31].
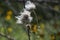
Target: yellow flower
[52,37]
[8,17]
[9,30]
[9,12]
[34,29]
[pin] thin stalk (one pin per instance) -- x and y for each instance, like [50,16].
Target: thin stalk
[35,16]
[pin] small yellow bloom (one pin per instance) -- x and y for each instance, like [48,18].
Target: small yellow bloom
[34,29]
[52,37]
[9,12]
[9,30]
[8,17]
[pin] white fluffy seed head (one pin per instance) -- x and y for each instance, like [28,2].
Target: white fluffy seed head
[21,17]
[29,5]
[25,12]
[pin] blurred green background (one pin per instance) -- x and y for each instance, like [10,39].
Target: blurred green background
[48,16]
